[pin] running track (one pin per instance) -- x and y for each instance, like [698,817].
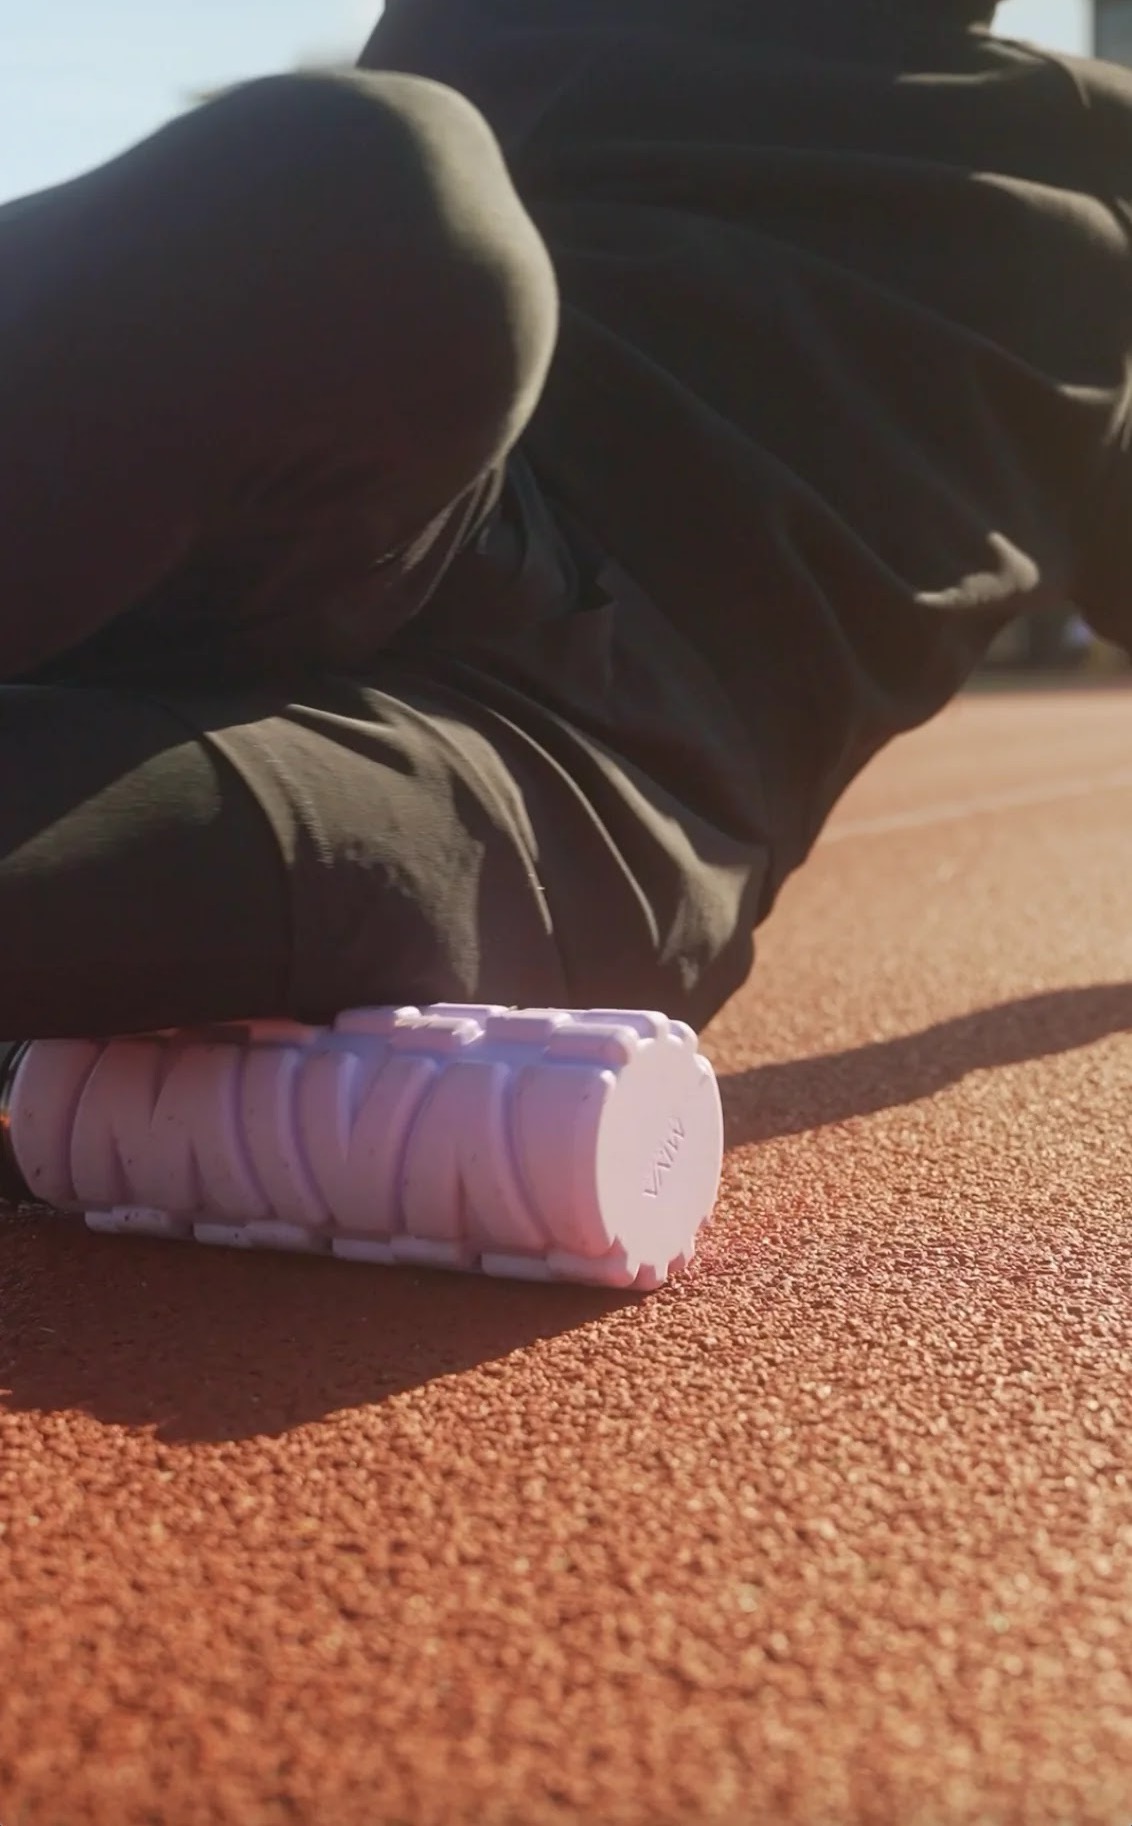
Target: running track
[835,1530]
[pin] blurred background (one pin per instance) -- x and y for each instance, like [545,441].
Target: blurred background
[79,81]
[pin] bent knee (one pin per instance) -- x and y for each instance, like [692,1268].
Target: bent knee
[400,184]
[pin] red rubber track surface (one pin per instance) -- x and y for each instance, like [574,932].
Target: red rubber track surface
[836,1529]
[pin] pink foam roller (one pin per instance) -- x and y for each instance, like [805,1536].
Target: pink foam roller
[539,1144]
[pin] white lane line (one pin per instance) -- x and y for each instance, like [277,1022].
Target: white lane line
[949,811]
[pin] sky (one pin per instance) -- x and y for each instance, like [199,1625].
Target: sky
[81,79]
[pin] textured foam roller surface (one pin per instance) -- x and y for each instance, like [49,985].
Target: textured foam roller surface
[539,1144]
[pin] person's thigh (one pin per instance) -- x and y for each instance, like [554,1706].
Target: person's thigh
[568,818]
[411,861]
[570,823]
[259,374]
[186,861]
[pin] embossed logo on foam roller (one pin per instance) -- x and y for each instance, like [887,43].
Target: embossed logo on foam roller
[666,1159]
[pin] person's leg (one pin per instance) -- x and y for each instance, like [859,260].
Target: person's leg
[258,374]
[572,816]
[553,827]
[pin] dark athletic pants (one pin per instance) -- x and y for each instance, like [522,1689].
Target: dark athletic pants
[260,381]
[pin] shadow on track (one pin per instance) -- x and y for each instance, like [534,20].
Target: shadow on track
[203,1346]
[772,1101]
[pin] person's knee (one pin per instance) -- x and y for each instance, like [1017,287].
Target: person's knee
[399,186]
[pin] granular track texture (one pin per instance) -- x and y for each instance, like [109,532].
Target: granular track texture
[837,1527]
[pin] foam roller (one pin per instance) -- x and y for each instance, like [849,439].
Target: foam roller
[538,1144]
